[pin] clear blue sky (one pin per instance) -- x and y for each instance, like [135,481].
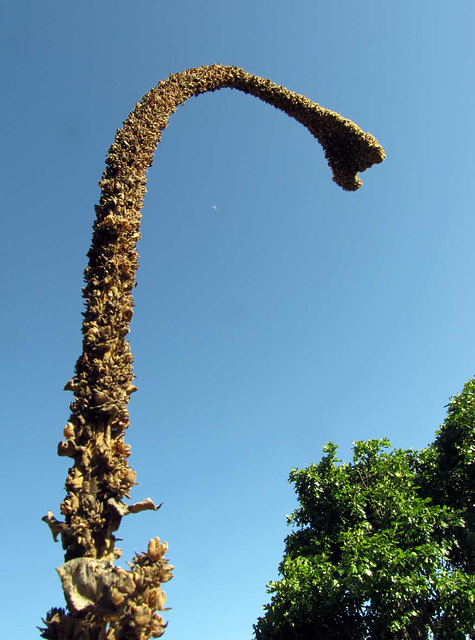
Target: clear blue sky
[291,314]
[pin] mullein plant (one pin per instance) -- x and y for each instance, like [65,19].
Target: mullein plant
[105,601]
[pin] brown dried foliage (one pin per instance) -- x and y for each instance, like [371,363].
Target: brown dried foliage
[123,604]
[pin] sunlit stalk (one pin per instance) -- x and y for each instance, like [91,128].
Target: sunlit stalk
[105,601]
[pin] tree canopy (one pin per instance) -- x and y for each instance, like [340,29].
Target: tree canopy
[382,547]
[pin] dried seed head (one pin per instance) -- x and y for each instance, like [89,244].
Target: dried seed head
[156,549]
[103,375]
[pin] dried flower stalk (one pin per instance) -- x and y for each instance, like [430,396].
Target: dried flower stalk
[104,601]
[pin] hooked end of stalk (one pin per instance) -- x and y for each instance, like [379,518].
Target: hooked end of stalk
[348,150]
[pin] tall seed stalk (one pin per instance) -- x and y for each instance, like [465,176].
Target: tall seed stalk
[106,602]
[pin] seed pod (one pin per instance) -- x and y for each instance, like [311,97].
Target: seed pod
[68,430]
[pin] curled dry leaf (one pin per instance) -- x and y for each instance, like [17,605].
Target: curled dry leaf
[56,527]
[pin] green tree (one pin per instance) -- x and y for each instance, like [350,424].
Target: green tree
[448,472]
[382,547]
